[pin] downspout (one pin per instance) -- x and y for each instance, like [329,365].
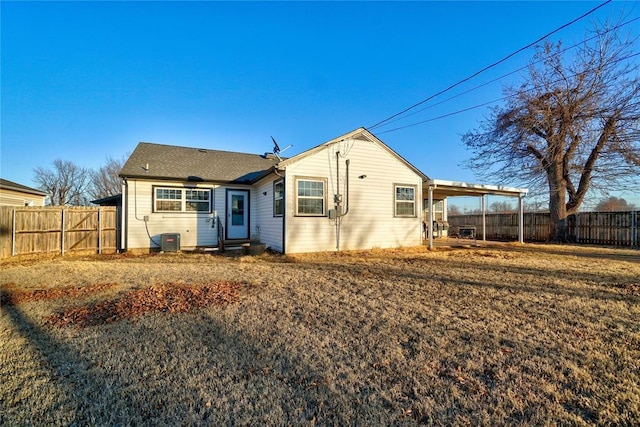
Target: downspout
[284,215]
[284,207]
[346,211]
[337,200]
[124,223]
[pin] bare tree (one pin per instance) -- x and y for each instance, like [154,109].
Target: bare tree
[105,181]
[453,210]
[501,207]
[611,204]
[572,126]
[66,183]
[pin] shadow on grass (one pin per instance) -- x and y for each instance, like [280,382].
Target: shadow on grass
[628,254]
[595,285]
[216,368]
[204,372]
[69,371]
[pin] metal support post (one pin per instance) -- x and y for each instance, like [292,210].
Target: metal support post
[430,225]
[484,218]
[521,218]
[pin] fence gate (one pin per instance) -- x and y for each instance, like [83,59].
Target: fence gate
[57,229]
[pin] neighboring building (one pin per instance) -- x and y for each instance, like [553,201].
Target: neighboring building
[115,200]
[353,192]
[14,194]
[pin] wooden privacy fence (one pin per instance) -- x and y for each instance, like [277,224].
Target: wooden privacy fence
[58,229]
[597,228]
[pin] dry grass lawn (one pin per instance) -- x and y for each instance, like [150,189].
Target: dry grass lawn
[529,335]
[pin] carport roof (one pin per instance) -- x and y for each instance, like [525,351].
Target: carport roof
[442,188]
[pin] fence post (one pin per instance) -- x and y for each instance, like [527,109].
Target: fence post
[13,234]
[62,234]
[100,230]
[634,230]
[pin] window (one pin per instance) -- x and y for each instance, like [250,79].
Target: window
[197,200]
[438,209]
[405,200]
[310,200]
[181,200]
[168,199]
[278,198]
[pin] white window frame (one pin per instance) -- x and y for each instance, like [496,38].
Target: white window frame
[396,200]
[184,203]
[323,198]
[438,209]
[278,197]
[189,201]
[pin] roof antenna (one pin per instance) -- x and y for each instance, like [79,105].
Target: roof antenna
[276,148]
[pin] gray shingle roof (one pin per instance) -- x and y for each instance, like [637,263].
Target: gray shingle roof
[184,163]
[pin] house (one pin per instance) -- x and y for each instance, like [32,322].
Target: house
[353,192]
[14,194]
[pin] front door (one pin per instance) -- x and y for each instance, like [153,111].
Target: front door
[237,214]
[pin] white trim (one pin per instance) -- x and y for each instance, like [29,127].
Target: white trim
[466,187]
[360,133]
[275,199]
[323,197]
[396,200]
[183,200]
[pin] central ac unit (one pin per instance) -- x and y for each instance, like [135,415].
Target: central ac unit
[170,242]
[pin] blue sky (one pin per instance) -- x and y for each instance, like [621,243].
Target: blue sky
[83,81]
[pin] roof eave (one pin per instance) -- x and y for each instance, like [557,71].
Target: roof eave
[22,190]
[466,188]
[252,181]
[359,131]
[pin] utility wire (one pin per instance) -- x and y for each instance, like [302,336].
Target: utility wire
[484,103]
[490,66]
[506,75]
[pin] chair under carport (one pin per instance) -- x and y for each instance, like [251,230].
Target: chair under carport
[437,189]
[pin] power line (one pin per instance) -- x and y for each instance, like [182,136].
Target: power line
[490,66]
[443,116]
[389,121]
[484,103]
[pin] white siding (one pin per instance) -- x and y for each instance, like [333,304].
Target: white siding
[17,198]
[196,229]
[370,222]
[268,227]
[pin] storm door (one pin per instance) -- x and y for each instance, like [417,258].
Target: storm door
[237,214]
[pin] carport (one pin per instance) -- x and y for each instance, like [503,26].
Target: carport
[437,189]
